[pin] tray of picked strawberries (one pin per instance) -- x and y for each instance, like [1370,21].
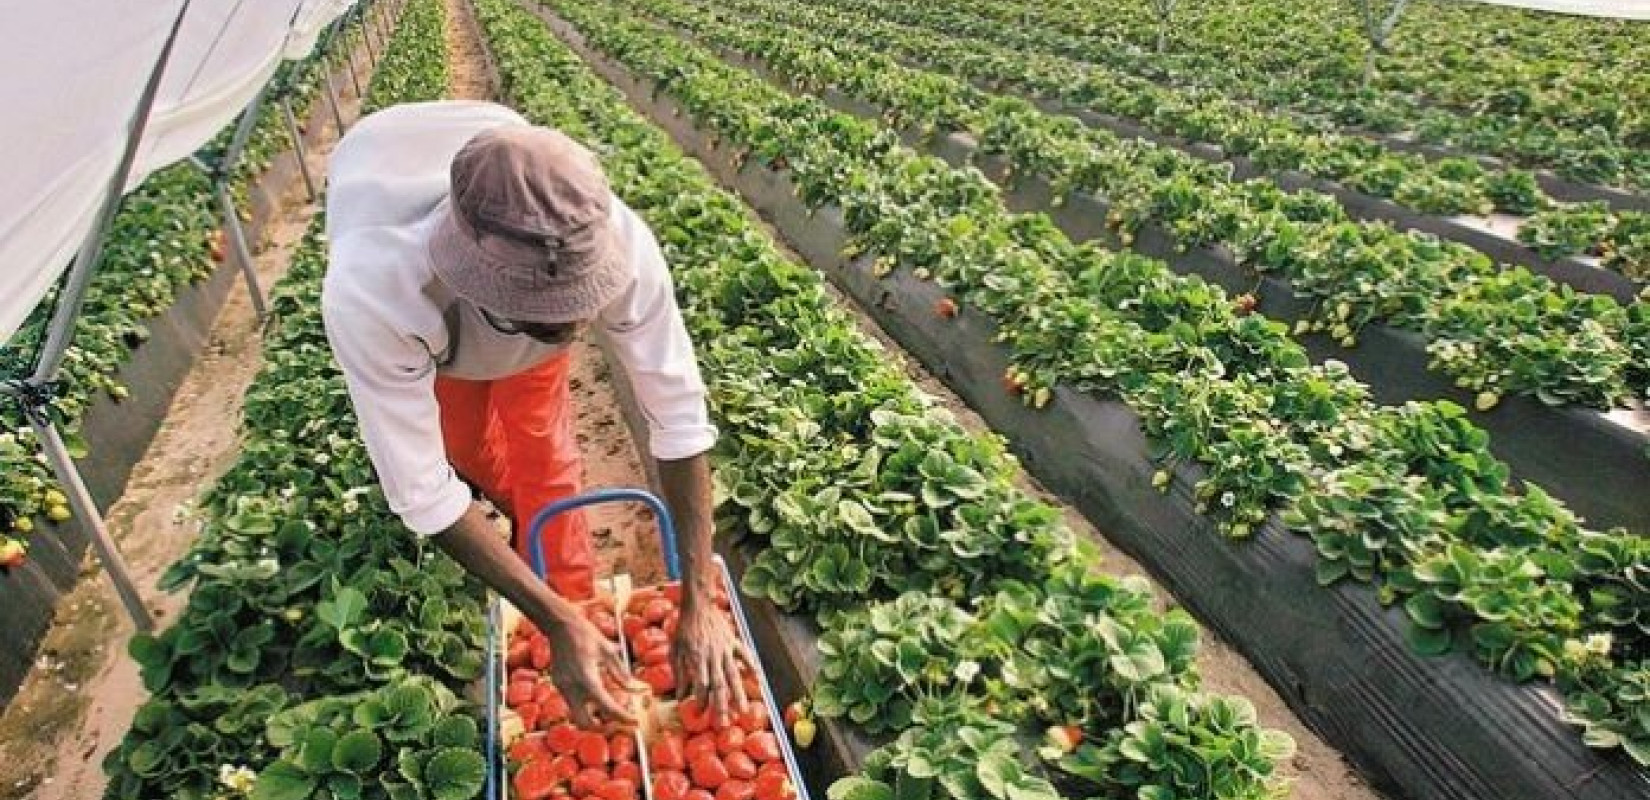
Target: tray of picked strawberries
[678,751]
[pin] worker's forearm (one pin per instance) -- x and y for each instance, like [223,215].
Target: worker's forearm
[476,545]
[687,488]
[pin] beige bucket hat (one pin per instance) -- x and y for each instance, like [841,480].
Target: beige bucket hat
[529,233]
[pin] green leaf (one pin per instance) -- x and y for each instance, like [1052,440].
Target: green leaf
[1426,610]
[1426,641]
[357,751]
[345,608]
[283,780]
[315,755]
[855,787]
[455,774]
[911,787]
[456,731]
[995,772]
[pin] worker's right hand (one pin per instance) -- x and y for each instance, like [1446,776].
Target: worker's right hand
[580,659]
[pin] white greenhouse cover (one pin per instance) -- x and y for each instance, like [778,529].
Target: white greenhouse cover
[74,71]
[1620,9]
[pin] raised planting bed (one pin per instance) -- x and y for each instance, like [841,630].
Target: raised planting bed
[1393,361]
[1494,235]
[1137,71]
[1441,727]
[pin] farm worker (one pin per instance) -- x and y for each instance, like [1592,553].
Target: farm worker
[468,249]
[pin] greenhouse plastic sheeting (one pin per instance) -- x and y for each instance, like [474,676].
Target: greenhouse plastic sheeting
[1619,9]
[73,80]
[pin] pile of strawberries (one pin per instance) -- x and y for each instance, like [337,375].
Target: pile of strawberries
[690,757]
[554,758]
[650,620]
[694,759]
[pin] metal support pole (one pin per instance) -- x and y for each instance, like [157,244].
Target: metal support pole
[332,99]
[243,252]
[366,36]
[298,148]
[328,67]
[80,499]
[354,77]
[226,201]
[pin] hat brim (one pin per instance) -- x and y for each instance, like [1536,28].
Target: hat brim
[528,292]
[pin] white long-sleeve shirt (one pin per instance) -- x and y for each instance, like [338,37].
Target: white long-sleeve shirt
[394,326]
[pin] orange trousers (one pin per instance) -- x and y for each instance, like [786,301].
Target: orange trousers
[513,439]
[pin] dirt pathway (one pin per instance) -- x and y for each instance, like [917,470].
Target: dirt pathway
[79,700]
[468,77]
[625,537]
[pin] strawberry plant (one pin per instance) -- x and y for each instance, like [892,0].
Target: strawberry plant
[1185,744]
[409,739]
[880,661]
[962,755]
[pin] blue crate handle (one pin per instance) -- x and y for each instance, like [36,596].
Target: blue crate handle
[667,526]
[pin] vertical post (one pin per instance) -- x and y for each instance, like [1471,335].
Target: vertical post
[80,499]
[349,56]
[298,148]
[332,97]
[329,66]
[366,36]
[226,201]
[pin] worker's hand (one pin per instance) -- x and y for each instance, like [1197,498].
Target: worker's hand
[580,659]
[706,660]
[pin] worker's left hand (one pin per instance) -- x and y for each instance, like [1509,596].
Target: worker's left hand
[706,660]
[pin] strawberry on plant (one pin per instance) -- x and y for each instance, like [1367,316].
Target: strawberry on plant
[12,554]
[1063,738]
[946,307]
[803,732]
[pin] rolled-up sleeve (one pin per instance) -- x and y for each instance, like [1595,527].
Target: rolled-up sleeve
[391,383]
[651,343]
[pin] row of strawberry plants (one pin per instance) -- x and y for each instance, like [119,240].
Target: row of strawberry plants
[1482,333]
[1578,118]
[1272,142]
[1408,497]
[1448,186]
[164,238]
[323,650]
[933,516]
